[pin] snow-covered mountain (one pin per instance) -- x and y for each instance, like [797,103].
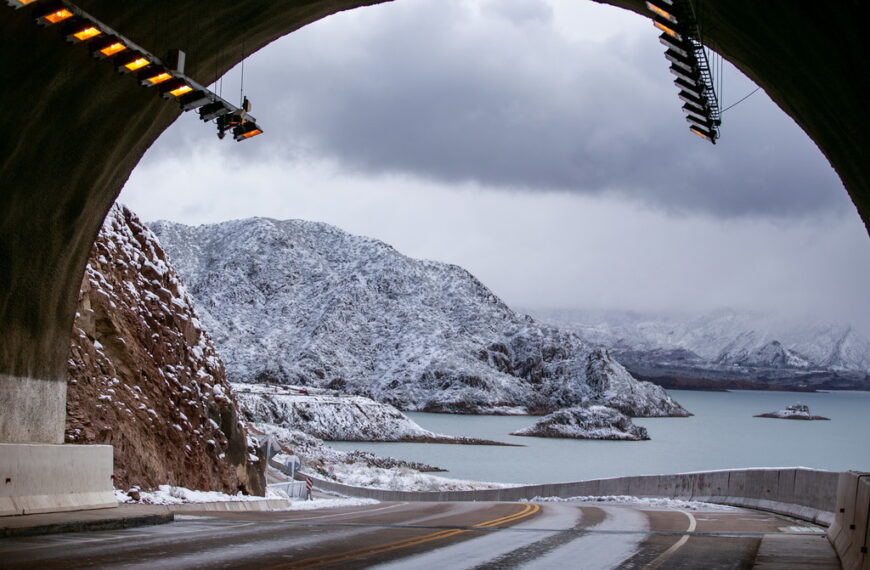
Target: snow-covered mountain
[727,344]
[305,303]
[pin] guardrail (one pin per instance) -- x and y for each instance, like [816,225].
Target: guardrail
[806,494]
[850,530]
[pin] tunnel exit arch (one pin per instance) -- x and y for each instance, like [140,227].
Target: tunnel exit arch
[72,134]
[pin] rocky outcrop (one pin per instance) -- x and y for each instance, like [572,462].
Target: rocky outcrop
[613,384]
[333,417]
[793,412]
[144,376]
[586,422]
[305,303]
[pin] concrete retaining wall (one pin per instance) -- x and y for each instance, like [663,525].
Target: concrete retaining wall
[806,494]
[850,530]
[43,478]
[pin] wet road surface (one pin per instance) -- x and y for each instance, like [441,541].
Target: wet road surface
[443,535]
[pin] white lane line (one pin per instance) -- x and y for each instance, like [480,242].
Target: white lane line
[599,551]
[480,550]
[344,514]
[675,546]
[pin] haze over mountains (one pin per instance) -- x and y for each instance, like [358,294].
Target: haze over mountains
[306,303]
[727,345]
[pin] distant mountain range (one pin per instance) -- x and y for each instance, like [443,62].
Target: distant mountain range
[726,346]
[305,303]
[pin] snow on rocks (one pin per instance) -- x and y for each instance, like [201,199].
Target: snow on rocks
[172,495]
[335,418]
[363,469]
[141,371]
[586,422]
[793,412]
[298,302]
[614,386]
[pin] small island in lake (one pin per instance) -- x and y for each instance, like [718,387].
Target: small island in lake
[586,422]
[793,412]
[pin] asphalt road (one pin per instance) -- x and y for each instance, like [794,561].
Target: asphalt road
[444,536]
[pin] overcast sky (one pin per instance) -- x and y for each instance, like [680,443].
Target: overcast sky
[537,143]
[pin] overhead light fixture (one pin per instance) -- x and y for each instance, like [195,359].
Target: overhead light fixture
[687,63]
[52,14]
[695,110]
[667,29]
[214,110]
[690,86]
[689,77]
[132,61]
[704,133]
[174,88]
[692,98]
[19,3]
[662,12]
[106,46]
[194,99]
[674,45]
[81,31]
[246,130]
[154,75]
[704,123]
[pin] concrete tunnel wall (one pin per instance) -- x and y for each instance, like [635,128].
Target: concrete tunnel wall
[72,131]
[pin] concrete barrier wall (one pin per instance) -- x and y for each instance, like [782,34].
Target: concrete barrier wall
[42,478]
[806,494]
[262,505]
[849,529]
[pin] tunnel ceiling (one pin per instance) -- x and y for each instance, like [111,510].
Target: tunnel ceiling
[72,131]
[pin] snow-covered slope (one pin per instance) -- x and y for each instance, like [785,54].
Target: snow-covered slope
[305,303]
[332,417]
[747,345]
[586,422]
[363,469]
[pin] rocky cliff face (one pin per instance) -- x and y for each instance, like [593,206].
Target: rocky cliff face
[306,303]
[145,378]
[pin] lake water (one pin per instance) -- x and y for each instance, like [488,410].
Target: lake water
[722,434]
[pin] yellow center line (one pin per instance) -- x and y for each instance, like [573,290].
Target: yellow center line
[526,511]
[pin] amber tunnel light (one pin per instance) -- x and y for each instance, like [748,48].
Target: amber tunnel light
[82,31]
[19,3]
[153,76]
[174,88]
[668,30]
[661,12]
[52,15]
[125,63]
[246,130]
[703,133]
[106,46]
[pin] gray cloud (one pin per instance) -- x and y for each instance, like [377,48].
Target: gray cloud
[500,98]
